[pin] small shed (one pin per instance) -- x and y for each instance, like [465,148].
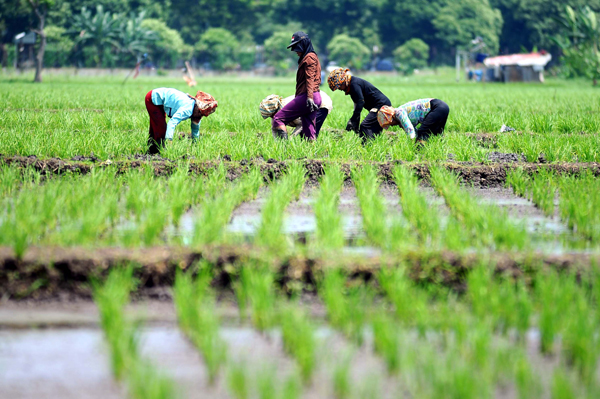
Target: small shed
[516,67]
[24,43]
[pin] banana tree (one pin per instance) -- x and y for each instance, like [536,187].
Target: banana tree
[580,41]
[99,30]
[133,37]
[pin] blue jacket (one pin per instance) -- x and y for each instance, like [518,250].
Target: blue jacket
[178,106]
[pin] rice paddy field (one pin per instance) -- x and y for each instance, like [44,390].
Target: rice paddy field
[241,267]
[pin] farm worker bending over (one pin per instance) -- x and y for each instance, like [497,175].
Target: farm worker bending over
[430,113]
[178,106]
[307,101]
[364,95]
[273,103]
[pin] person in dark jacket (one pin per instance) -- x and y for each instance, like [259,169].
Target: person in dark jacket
[308,99]
[364,95]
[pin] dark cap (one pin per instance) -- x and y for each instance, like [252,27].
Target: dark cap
[298,37]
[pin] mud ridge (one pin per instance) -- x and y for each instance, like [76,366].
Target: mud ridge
[67,273]
[491,174]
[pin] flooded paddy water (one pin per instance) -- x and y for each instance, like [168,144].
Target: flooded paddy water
[69,357]
[548,233]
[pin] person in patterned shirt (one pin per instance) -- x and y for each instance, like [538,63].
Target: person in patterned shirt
[430,114]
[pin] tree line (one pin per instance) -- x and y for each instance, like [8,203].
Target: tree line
[226,33]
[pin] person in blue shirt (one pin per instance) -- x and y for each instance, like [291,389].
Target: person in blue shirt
[178,106]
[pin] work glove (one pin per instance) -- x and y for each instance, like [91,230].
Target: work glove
[412,136]
[280,134]
[349,126]
[310,103]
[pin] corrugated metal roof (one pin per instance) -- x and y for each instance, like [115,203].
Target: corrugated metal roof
[519,59]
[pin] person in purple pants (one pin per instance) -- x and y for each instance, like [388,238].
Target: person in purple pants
[308,99]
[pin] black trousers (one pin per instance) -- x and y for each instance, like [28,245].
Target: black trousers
[434,121]
[369,128]
[321,116]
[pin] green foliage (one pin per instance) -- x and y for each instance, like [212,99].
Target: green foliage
[59,46]
[218,45]
[411,55]
[109,34]
[169,46]
[457,23]
[276,53]
[349,52]
[580,42]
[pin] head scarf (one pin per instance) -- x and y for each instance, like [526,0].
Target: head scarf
[385,116]
[205,103]
[270,105]
[304,45]
[337,77]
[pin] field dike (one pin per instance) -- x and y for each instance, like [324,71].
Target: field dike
[492,174]
[50,273]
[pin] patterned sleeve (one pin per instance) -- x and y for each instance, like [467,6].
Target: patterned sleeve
[405,122]
[196,130]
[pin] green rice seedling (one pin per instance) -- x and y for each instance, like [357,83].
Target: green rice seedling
[518,181]
[372,208]
[562,386]
[580,342]
[257,290]
[297,176]
[266,384]
[292,388]
[216,212]
[341,378]
[237,379]
[299,340]
[554,294]
[410,303]
[369,388]
[330,232]
[527,382]
[346,307]
[111,298]
[415,207]
[579,205]
[387,341]
[143,380]
[179,192]
[543,191]
[270,231]
[11,180]
[488,225]
[147,383]
[197,317]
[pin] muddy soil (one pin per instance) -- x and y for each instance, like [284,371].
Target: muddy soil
[47,273]
[504,157]
[481,175]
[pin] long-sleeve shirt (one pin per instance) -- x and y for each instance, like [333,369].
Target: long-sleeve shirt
[365,95]
[308,76]
[411,114]
[178,106]
[297,123]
